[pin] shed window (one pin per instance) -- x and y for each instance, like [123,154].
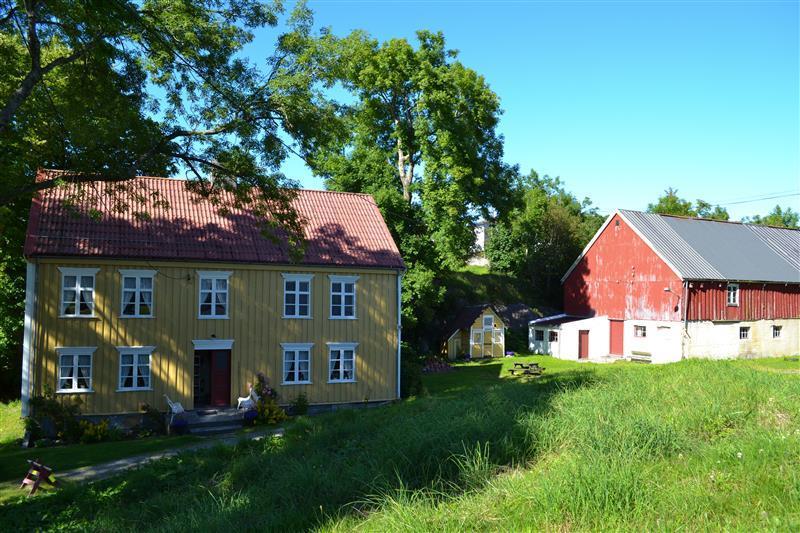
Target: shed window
[75,369]
[296,363]
[343,297]
[488,322]
[640,331]
[553,336]
[733,294]
[776,332]
[134,367]
[744,333]
[341,362]
[77,291]
[297,295]
[137,293]
[538,335]
[214,294]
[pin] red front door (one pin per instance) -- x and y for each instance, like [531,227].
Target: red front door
[616,337]
[220,378]
[583,344]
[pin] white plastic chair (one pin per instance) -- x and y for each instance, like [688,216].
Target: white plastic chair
[175,408]
[249,401]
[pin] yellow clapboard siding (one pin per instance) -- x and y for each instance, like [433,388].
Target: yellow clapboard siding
[255,325]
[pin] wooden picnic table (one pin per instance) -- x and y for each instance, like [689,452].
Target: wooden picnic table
[527,370]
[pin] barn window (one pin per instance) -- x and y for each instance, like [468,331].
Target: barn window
[776,332]
[744,333]
[733,294]
[538,335]
[553,336]
[640,331]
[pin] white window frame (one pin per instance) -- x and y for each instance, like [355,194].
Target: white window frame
[296,347]
[138,275]
[78,273]
[297,278]
[491,319]
[213,275]
[735,292]
[75,352]
[640,331]
[552,336]
[136,351]
[746,331]
[776,331]
[342,294]
[341,347]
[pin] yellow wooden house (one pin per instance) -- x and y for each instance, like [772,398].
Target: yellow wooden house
[476,331]
[192,303]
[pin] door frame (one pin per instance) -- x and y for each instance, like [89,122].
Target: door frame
[212,345]
[583,333]
[472,342]
[620,325]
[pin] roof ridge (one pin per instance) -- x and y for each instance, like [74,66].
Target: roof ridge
[701,219]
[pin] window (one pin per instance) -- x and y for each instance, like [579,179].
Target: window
[134,367]
[214,294]
[77,291]
[776,332]
[640,331]
[297,295]
[744,333]
[553,336]
[733,294]
[75,369]
[488,322]
[137,293]
[296,363]
[538,335]
[343,297]
[341,362]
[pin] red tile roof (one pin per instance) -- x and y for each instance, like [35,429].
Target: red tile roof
[342,229]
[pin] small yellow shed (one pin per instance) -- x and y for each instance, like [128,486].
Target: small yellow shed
[477,331]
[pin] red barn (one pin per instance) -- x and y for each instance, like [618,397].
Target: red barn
[663,288]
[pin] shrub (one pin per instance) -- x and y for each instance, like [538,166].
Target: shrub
[101,432]
[269,412]
[153,420]
[263,389]
[50,418]
[410,372]
[300,405]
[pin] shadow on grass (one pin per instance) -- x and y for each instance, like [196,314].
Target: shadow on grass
[320,468]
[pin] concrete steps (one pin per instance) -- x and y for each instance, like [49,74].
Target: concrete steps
[214,421]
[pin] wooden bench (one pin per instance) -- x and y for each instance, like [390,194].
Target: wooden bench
[641,357]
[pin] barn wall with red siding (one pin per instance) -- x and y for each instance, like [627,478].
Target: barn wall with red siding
[757,301]
[622,277]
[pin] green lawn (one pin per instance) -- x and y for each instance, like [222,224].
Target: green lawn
[695,445]
[779,364]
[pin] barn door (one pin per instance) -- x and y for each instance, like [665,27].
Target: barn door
[617,329]
[583,344]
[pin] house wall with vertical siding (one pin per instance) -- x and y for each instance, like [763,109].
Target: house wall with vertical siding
[621,277]
[757,301]
[255,325]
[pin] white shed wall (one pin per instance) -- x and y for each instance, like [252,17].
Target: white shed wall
[720,340]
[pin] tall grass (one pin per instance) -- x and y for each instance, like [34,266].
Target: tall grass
[693,445]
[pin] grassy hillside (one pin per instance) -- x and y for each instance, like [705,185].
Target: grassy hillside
[694,445]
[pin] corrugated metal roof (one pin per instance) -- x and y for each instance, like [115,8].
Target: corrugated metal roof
[709,249]
[342,229]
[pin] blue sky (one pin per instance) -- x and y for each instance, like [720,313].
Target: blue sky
[622,99]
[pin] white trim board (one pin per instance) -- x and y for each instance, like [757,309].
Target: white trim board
[213,344]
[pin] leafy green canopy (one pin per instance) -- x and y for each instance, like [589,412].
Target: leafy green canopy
[110,89]
[672,204]
[785,218]
[540,239]
[419,133]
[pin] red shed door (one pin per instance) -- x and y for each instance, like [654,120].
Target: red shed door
[616,347]
[583,344]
